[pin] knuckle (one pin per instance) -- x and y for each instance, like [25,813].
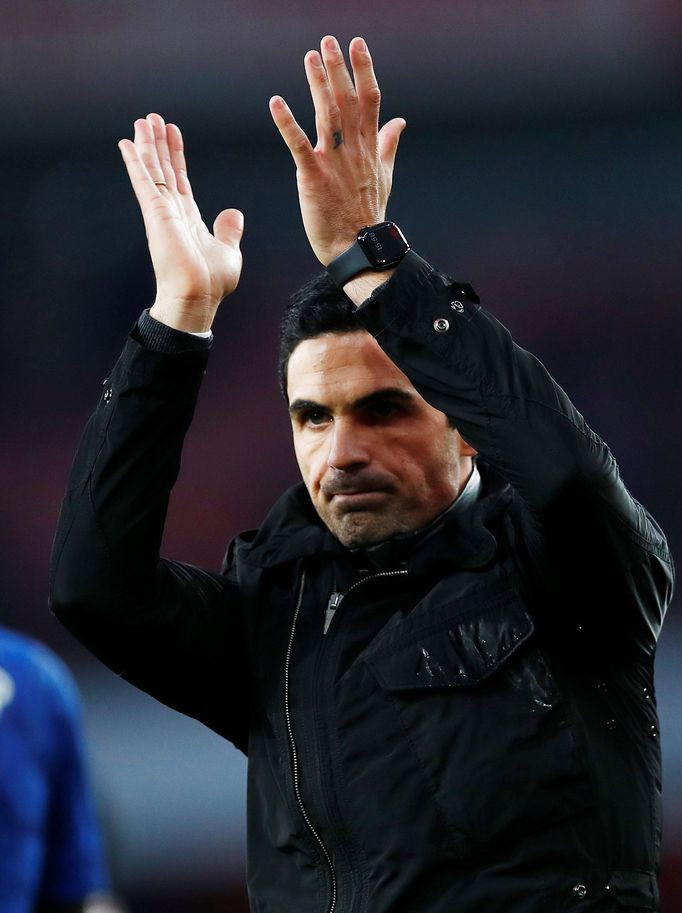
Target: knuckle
[374,95]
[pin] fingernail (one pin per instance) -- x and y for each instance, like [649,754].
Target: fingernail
[331,44]
[361,44]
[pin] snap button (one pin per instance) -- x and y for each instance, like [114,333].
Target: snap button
[580,890]
[441,325]
[107,395]
[457,306]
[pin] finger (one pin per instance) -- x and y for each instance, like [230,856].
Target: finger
[176,149]
[148,195]
[327,113]
[229,227]
[158,126]
[366,87]
[389,136]
[146,147]
[341,84]
[297,142]
[143,185]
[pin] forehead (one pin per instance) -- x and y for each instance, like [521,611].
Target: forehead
[341,366]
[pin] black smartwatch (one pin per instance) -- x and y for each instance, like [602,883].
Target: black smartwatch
[378,247]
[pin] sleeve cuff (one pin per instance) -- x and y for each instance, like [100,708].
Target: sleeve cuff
[414,289]
[161,338]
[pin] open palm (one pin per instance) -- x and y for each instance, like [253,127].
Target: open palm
[194,269]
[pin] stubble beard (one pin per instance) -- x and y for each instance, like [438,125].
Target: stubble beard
[363,528]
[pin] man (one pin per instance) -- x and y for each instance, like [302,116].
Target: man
[438,663]
[51,858]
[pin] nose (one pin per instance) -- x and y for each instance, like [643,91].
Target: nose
[348,448]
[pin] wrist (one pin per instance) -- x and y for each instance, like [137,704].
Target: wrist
[378,249]
[361,287]
[183,315]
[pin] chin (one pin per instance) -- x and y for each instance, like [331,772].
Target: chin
[358,539]
[354,533]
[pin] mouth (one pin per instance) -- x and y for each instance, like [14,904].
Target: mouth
[359,500]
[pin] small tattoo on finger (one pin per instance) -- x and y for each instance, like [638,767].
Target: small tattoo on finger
[338,138]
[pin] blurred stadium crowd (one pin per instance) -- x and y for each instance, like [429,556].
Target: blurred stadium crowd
[541,163]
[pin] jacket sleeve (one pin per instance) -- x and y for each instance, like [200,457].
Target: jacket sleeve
[169,628]
[595,544]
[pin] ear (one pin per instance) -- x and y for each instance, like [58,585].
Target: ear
[465,449]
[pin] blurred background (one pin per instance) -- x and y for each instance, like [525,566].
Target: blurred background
[541,163]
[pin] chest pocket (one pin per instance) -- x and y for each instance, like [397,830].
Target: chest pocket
[479,708]
[462,651]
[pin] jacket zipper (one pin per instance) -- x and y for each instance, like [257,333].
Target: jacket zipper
[334,602]
[336,599]
[294,757]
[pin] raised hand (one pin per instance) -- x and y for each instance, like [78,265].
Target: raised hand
[345,180]
[194,269]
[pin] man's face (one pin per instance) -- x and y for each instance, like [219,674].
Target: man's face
[376,458]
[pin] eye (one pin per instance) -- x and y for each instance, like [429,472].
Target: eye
[384,409]
[314,417]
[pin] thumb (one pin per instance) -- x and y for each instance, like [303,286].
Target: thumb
[389,136]
[229,227]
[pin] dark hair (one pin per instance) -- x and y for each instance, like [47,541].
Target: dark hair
[317,307]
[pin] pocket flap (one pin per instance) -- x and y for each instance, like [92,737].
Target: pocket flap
[634,889]
[463,650]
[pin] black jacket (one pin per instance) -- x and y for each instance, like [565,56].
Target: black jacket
[476,730]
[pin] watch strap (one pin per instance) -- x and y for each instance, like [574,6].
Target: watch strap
[348,264]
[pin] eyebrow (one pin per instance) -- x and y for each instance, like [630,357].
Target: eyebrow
[378,396]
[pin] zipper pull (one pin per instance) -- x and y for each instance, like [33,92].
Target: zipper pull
[334,602]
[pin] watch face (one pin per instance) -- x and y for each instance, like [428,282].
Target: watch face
[383,244]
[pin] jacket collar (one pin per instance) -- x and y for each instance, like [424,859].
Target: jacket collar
[291,530]
[457,539]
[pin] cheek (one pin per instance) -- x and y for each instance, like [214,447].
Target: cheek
[310,463]
[432,466]
[414,453]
